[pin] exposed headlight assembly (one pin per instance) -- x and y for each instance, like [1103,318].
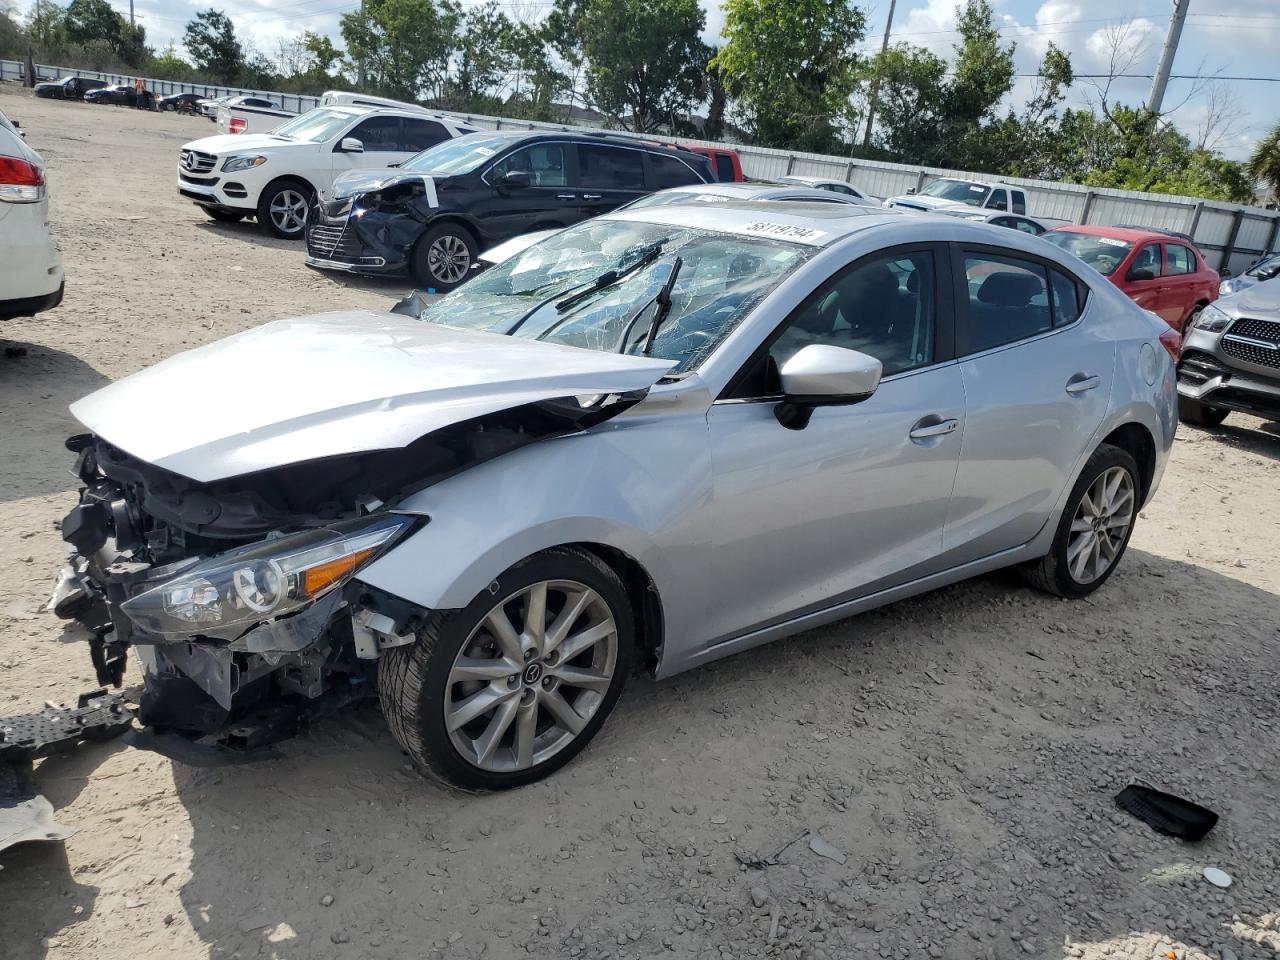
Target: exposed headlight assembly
[225,595]
[234,164]
[1212,320]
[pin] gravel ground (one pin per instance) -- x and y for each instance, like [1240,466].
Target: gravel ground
[955,754]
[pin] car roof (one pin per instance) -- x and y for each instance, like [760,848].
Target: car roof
[733,189]
[813,224]
[1115,233]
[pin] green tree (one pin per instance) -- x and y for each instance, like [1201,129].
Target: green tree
[792,67]
[1264,161]
[911,103]
[404,45]
[485,59]
[211,40]
[13,38]
[169,66]
[641,59]
[324,56]
[536,82]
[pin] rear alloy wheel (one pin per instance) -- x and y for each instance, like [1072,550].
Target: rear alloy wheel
[509,689]
[442,259]
[282,210]
[1095,527]
[1200,414]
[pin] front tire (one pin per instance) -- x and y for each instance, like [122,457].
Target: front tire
[1094,529]
[1200,414]
[282,209]
[512,687]
[442,259]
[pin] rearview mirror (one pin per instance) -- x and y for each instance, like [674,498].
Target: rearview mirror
[515,179]
[351,145]
[1141,273]
[911,190]
[821,375]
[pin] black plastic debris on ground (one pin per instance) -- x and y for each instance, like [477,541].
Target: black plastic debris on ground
[1165,813]
[28,736]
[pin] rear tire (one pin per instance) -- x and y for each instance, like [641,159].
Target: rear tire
[1200,414]
[509,689]
[442,259]
[1090,539]
[225,216]
[283,209]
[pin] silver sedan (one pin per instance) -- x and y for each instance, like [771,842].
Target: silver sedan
[665,435]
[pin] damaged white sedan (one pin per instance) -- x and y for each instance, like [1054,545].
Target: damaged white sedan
[666,434]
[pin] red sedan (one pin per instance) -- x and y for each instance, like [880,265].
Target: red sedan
[1160,272]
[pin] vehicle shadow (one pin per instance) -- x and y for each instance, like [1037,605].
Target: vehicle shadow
[37,384]
[962,749]
[1251,434]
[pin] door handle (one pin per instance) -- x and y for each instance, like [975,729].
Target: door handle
[1080,383]
[566,196]
[591,196]
[927,427]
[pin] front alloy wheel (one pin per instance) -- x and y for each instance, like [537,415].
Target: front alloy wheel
[510,688]
[442,259]
[283,210]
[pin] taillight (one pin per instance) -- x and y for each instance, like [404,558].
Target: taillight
[1171,340]
[20,181]
[238,124]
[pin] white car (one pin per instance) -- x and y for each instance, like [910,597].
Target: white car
[833,186]
[250,114]
[998,218]
[30,265]
[948,193]
[277,176]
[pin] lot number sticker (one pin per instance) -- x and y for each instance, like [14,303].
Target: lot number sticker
[783,231]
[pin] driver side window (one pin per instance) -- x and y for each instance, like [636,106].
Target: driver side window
[885,306]
[544,162]
[1148,258]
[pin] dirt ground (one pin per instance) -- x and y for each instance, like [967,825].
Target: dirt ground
[959,751]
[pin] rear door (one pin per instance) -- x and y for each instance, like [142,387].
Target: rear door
[610,175]
[1181,284]
[1037,380]
[421,133]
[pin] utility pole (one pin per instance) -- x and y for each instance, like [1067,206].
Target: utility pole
[875,81]
[131,13]
[1161,79]
[360,62]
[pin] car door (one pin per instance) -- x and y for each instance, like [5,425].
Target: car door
[380,135]
[1037,380]
[420,134]
[1143,281]
[857,499]
[1181,284]
[998,200]
[609,175]
[547,201]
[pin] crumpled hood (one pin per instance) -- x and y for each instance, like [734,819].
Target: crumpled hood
[225,143]
[301,389]
[364,181]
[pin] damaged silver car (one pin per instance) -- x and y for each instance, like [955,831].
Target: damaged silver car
[661,436]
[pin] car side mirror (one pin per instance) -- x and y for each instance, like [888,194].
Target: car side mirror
[515,180]
[351,145]
[821,375]
[1141,273]
[911,190]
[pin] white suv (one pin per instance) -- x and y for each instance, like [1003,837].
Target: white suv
[30,265]
[950,194]
[277,176]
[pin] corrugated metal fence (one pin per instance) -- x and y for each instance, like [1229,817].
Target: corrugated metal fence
[1236,234]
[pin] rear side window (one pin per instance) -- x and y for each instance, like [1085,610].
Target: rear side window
[378,134]
[610,168]
[420,134]
[671,171]
[1180,260]
[1019,202]
[1068,300]
[1008,300]
[724,168]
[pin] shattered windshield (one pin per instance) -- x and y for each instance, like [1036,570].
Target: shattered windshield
[595,286]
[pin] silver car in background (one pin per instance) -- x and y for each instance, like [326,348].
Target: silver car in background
[665,435]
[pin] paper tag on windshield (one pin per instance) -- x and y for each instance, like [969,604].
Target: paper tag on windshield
[782,231]
[1112,242]
[484,151]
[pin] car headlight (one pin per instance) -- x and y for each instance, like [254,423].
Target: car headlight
[234,164]
[225,595]
[1227,287]
[1211,320]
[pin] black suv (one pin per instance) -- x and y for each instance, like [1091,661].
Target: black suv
[440,208]
[72,88]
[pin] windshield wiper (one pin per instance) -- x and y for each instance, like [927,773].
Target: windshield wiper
[610,277]
[542,303]
[663,299]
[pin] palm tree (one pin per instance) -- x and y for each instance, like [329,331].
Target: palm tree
[1264,162]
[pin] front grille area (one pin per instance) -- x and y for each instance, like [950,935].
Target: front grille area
[1196,368]
[185,178]
[196,161]
[1253,341]
[326,242]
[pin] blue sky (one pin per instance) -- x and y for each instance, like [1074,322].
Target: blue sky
[1230,38]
